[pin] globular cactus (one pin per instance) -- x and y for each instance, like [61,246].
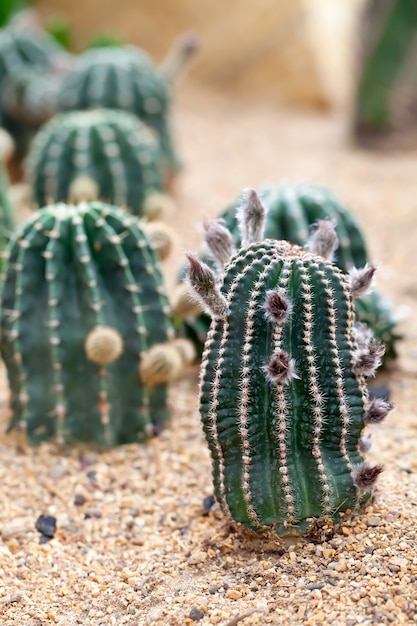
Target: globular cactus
[283,399]
[32,65]
[101,154]
[86,334]
[386,93]
[125,78]
[293,213]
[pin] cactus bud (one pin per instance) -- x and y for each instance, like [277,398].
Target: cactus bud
[367,360]
[360,280]
[277,306]
[83,189]
[103,345]
[377,411]
[251,216]
[323,241]
[161,236]
[160,364]
[365,475]
[281,368]
[157,206]
[203,282]
[219,241]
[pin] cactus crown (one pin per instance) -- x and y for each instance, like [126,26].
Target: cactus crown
[283,398]
[108,153]
[82,305]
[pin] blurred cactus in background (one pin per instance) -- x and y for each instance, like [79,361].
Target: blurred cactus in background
[126,78]
[386,98]
[99,154]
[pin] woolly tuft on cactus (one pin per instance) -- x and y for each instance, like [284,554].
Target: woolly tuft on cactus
[82,304]
[283,407]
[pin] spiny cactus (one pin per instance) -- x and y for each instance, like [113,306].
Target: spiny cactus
[124,78]
[104,154]
[85,329]
[293,213]
[283,396]
[386,93]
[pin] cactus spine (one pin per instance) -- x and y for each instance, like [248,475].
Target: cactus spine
[283,398]
[82,305]
[101,154]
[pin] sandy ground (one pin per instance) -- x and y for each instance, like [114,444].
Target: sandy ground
[132,544]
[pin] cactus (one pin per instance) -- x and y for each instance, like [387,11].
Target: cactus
[85,155]
[283,398]
[386,95]
[30,60]
[123,78]
[85,329]
[293,212]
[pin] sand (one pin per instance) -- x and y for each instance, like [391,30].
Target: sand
[133,544]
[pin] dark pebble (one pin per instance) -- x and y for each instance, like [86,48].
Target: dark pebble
[312,586]
[385,597]
[44,539]
[196,614]
[369,550]
[225,585]
[212,589]
[332,581]
[183,531]
[79,499]
[406,470]
[208,504]
[46,525]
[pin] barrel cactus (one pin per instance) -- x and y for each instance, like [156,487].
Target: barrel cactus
[126,78]
[101,154]
[293,212]
[283,397]
[30,61]
[86,334]
[386,95]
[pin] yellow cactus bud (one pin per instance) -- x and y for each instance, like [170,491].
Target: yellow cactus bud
[162,237]
[161,364]
[157,206]
[83,189]
[103,345]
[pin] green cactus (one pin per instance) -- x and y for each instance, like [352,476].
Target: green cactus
[27,59]
[387,93]
[283,396]
[85,327]
[105,154]
[293,211]
[124,78]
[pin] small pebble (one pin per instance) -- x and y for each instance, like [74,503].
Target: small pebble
[196,614]
[312,586]
[209,503]
[79,499]
[46,525]
[16,527]
[213,589]
[58,471]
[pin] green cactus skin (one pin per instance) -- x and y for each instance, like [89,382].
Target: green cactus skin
[122,78]
[294,209]
[284,450]
[69,270]
[292,212]
[7,217]
[112,148]
[386,84]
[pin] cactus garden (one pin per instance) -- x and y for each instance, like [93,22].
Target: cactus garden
[237,448]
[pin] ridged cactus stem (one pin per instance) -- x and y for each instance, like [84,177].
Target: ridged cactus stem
[106,299]
[285,433]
